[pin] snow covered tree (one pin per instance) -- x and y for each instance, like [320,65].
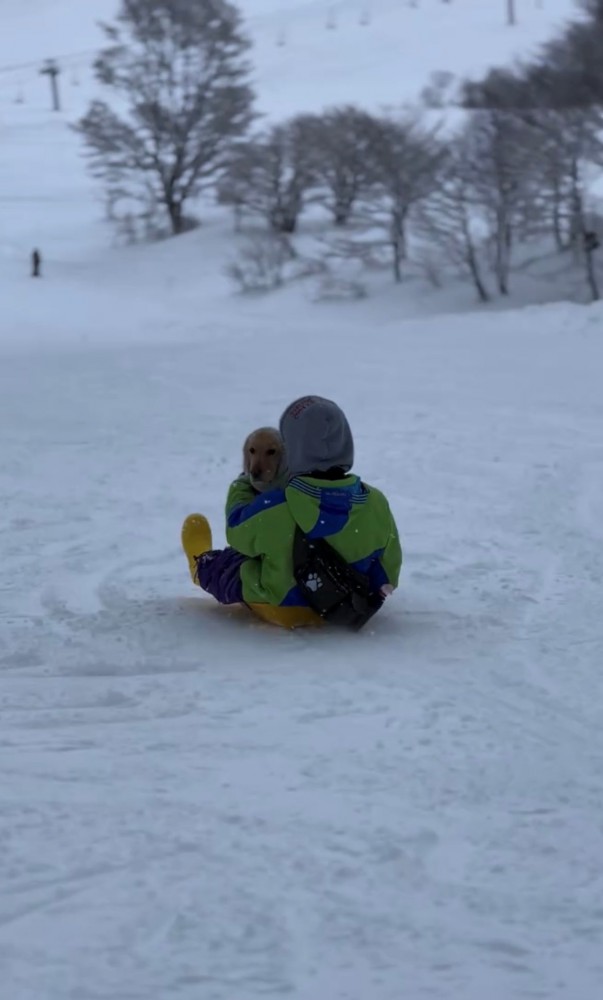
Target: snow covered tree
[180,76]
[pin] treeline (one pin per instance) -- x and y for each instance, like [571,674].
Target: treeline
[513,164]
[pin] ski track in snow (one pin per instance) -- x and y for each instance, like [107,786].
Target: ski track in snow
[195,805]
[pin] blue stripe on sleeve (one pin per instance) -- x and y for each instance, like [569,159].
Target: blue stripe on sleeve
[263,502]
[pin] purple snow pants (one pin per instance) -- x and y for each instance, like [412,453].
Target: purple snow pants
[218,573]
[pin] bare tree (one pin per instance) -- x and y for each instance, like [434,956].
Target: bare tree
[270,176]
[564,144]
[181,75]
[339,143]
[583,239]
[500,161]
[554,158]
[590,246]
[452,222]
[568,73]
[556,101]
[554,105]
[570,69]
[406,159]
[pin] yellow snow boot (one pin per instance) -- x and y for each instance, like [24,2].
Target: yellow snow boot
[196,539]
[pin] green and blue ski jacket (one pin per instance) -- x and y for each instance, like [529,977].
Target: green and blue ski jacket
[355,519]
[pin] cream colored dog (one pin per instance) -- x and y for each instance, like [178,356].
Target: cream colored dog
[264,459]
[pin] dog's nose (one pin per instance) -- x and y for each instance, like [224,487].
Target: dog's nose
[256,471]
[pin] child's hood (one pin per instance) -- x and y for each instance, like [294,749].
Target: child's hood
[317,436]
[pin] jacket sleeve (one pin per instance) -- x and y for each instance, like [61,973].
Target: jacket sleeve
[240,493]
[391,558]
[247,529]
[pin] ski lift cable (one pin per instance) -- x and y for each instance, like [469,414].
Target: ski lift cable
[68,58]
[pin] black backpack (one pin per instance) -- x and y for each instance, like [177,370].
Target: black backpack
[340,594]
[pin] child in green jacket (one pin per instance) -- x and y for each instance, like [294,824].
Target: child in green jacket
[322,497]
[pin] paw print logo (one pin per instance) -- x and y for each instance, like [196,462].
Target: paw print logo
[313,582]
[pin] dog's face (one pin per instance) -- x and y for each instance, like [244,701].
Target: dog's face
[263,456]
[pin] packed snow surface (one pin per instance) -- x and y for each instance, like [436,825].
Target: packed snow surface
[194,805]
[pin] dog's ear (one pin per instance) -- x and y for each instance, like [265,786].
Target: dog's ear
[246,455]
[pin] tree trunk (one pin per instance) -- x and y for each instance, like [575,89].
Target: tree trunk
[397,261]
[577,226]
[283,221]
[578,232]
[342,209]
[557,228]
[398,243]
[591,275]
[482,292]
[503,250]
[474,266]
[284,214]
[176,216]
[289,224]
[471,257]
[345,193]
[560,243]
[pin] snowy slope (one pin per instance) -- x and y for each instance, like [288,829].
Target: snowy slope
[193,805]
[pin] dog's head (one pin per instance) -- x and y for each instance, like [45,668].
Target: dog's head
[264,458]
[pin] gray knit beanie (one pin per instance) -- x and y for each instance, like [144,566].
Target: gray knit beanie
[317,436]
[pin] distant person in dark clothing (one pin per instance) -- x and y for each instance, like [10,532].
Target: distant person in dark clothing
[36,264]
